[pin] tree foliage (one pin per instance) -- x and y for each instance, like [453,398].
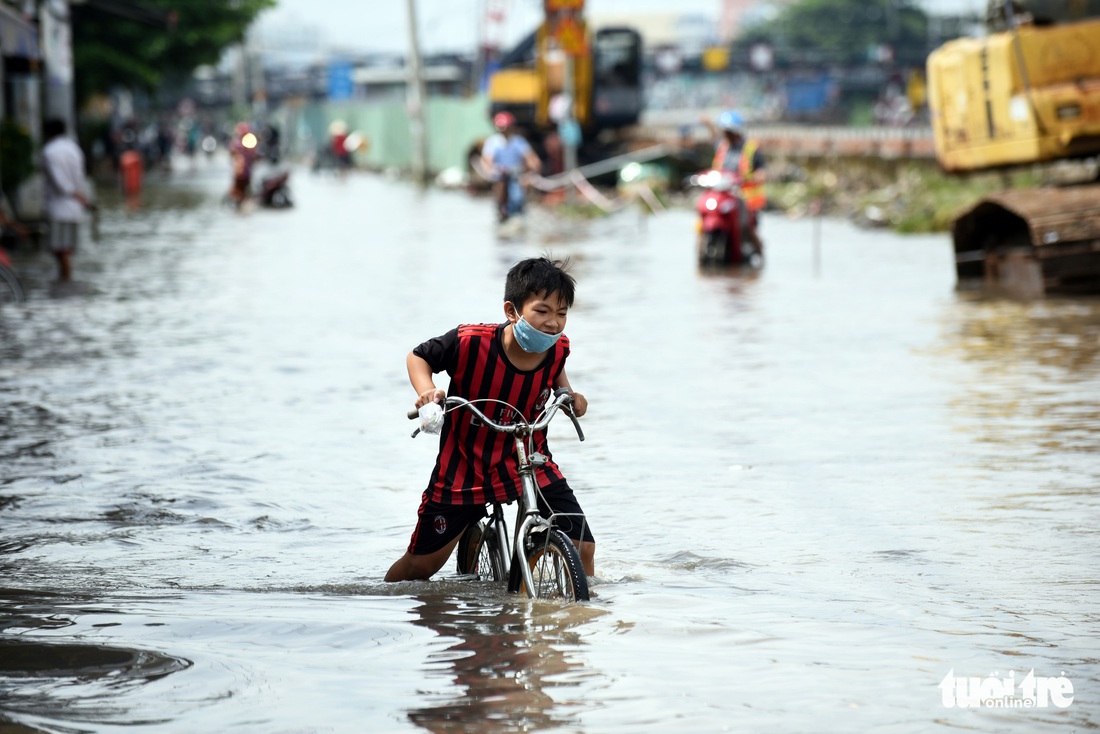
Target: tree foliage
[143,43]
[17,152]
[824,32]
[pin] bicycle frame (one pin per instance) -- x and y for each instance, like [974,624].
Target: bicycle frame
[528,517]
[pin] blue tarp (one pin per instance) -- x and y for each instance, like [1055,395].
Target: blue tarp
[808,94]
[340,84]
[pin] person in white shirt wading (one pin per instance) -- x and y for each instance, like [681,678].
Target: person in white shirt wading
[66,199]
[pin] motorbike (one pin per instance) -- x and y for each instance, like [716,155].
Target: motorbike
[274,191]
[513,198]
[726,235]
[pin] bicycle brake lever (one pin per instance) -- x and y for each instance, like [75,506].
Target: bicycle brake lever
[576,423]
[567,406]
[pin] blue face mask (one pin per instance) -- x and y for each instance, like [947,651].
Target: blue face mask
[531,339]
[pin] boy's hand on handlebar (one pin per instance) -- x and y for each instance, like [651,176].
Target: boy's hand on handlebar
[580,404]
[434,395]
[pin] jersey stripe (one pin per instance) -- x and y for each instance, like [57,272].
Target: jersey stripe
[476,464]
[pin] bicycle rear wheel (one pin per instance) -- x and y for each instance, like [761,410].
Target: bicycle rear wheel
[479,552]
[11,290]
[555,568]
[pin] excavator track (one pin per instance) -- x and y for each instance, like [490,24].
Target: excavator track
[1032,242]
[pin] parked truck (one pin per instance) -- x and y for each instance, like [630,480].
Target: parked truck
[1028,92]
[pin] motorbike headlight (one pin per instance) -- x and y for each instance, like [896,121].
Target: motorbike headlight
[712,204]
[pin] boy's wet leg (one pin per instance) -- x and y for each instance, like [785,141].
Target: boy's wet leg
[588,556]
[411,567]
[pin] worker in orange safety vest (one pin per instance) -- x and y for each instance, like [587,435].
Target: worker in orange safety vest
[736,152]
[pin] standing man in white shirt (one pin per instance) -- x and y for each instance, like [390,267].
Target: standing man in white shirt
[66,198]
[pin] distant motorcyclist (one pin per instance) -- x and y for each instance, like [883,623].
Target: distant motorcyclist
[738,154]
[505,156]
[242,154]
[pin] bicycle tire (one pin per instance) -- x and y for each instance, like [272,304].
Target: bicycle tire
[11,290]
[555,567]
[478,553]
[467,544]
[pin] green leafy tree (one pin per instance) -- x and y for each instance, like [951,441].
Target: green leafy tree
[17,153]
[843,32]
[143,43]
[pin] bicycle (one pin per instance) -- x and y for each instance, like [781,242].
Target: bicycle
[551,565]
[11,289]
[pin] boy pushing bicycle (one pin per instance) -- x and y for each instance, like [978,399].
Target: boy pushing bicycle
[520,362]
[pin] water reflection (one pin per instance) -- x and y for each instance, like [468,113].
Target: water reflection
[63,679]
[1027,374]
[1059,333]
[511,660]
[1037,368]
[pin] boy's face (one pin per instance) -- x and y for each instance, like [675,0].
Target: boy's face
[544,311]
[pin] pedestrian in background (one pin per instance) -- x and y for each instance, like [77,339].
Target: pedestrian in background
[66,197]
[338,146]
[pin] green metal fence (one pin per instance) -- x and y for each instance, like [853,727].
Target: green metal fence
[452,124]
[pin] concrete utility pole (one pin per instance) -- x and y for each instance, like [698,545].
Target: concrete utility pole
[569,150]
[240,79]
[57,49]
[415,101]
[258,81]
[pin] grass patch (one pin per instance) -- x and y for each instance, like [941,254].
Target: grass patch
[908,197]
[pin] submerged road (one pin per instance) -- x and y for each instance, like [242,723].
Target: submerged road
[823,494]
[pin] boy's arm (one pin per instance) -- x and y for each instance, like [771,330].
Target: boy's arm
[580,404]
[534,164]
[420,375]
[712,129]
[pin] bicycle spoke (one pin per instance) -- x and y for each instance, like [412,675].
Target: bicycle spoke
[550,576]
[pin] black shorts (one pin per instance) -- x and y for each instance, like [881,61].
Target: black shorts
[438,524]
[558,497]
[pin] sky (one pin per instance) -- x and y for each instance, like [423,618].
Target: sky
[452,25]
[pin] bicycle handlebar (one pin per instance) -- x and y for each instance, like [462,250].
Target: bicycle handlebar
[563,398]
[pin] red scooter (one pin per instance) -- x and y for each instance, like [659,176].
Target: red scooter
[274,191]
[726,236]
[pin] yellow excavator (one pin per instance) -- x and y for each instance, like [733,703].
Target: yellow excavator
[1026,93]
[607,81]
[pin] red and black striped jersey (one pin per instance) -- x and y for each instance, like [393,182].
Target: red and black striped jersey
[475,463]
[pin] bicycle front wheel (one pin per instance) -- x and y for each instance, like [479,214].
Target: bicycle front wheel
[11,290]
[555,568]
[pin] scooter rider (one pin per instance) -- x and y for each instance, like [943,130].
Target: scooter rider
[505,155]
[739,154]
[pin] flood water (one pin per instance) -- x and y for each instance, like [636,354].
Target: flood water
[816,492]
